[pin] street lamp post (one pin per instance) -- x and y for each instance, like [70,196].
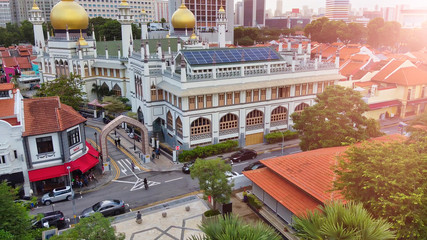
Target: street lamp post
[74,202]
[96,139]
[283,141]
[134,147]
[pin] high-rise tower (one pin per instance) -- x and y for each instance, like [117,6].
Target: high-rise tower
[279,7]
[37,19]
[125,18]
[337,9]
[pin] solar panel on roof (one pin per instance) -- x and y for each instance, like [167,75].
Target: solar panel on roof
[200,57]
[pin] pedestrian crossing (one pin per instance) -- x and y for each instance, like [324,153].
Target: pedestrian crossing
[127,167]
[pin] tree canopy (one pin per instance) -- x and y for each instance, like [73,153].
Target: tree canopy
[335,120]
[14,34]
[342,221]
[69,90]
[247,36]
[381,33]
[390,180]
[232,227]
[212,179]
[92,228]
[115,105]
[326,31]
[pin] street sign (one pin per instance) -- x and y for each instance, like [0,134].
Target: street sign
[177,148]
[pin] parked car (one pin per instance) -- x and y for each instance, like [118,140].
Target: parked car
[231,175]
[187,166]
[50,219]
[253,166]
[106,207]
[243,154]
[58,194]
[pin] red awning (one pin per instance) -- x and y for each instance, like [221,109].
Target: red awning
[83,163]
[380,105]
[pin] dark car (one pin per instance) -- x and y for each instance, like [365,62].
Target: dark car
[187,166]
[50,219]
[253,166]
[243,154]
[106,207]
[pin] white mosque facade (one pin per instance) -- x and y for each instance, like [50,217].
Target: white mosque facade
[193,96]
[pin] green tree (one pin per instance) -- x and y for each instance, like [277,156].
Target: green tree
[335,120]
[390,33]
[111,29]
[163,20]
[26,32]
[390,180]
[14,218]
[92,228]
[69,90]
[212,179]
[374,35]
[245,41]
[314,29]
[331,29]
[115,106]
[232,227]
[342,221]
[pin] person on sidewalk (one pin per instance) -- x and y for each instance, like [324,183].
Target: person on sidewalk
[132,166]
[115,142]
[139,217]
[157,153]
[145,183]
[153,155]
[118,141]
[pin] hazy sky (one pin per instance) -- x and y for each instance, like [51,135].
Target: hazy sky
[370,4]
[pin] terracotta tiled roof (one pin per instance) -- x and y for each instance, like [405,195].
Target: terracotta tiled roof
[360,58]
[9,62]
[346,52]
[5,53]
[351,68]
[387,70]
[23,63]
[364,84]
[330,51]
[6,86]
[310,171]
[290,196]
[11,121]
[7,107]
[407,76]
[46,115]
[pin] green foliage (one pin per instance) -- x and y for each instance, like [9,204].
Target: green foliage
[232,227]
[390,180]
[276,137]
[382,33]
[105,27]
[246,36]
[115,106]
[202,152]
[14,218]
[100,91]
[342,221]
[336,118]
[254,201]
[69,90]
[92,228]
[212,179]
[14,34]
[210,213]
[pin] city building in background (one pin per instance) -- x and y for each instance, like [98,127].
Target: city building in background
[279,7]
[337,9]
[254,13]
[238,14]
[5,14]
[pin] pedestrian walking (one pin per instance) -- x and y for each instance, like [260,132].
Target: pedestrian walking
[118,141]
[153,155]
[132,166]
[157,153]
[139,217]
[115,142]
[145,183]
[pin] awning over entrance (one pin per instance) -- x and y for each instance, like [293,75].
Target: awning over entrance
[83,163]
[380,105]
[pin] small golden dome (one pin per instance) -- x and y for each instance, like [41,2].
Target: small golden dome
[35,7]
[124,3]
[69,13]
[183,18]
[193,36]
[82,41]
[143,11]
[168,36]
[221,9]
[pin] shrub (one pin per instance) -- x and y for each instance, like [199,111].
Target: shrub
[203,152]
[254,201]
[276,137]
[210,213]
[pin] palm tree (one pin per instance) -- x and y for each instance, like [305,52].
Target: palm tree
[232,227]
[341,222]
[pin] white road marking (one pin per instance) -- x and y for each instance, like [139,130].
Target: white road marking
[175,179]
[123,168]
[120,181]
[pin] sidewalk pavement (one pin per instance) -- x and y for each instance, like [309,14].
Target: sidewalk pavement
[394,121]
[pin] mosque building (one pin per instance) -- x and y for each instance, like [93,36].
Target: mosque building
[196,95]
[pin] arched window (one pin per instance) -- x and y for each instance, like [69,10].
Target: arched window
[169,121]
[153,93]
[254,118]
[178,124]
[301,107]
[229,121]
[279,114]
[200,126]
[117,90]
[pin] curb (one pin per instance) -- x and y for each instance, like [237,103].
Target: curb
[277,148]
[165,200]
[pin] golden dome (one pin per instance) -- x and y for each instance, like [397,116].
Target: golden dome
[35,7]
[143,11]
[183,18]
[82,41]
[69,13]
[168,36]
[193,36]
[124,3]
[221,9]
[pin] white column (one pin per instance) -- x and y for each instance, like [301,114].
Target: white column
[215,127]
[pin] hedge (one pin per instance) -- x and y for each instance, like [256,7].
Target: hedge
[276,137]
[210,213]
[203,152]
[254,201]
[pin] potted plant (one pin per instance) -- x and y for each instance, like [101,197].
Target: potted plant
[245,196]
[210,214]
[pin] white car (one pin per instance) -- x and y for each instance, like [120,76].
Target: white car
[58,194]
[231,176]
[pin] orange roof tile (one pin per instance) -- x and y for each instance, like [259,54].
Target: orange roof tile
[351,68]
[346,52]
[11,121]
[290,196]
[407,76]
[330,51]
[9,62]
[6,86]
[360,58]
[7,107]
[386,70]
[364,84]
[23,63]
[46,115]
[5,54]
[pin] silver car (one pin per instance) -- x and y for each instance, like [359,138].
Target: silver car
[58,194]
